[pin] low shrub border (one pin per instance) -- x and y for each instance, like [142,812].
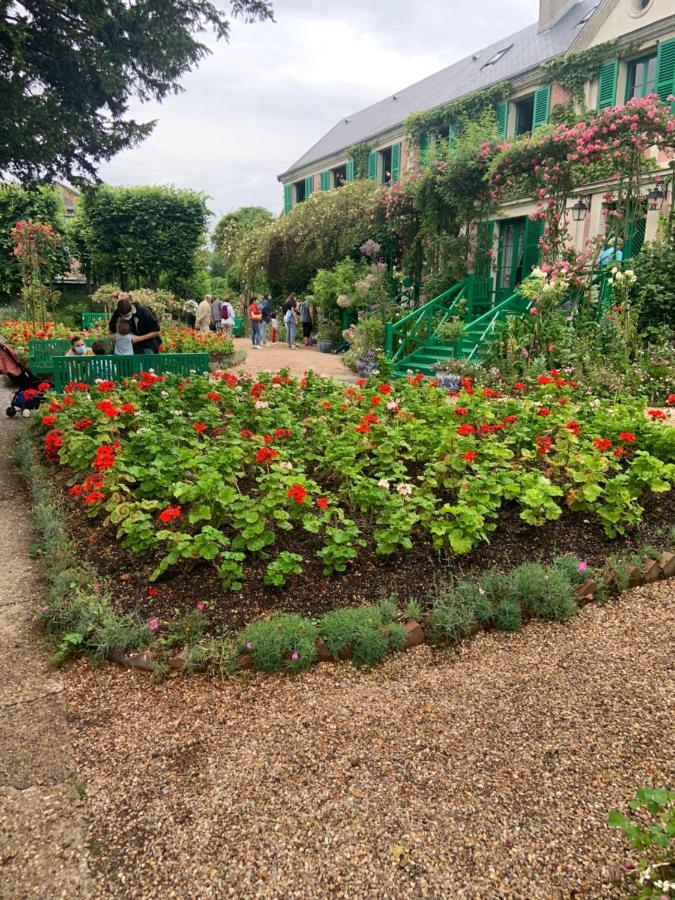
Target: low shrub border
[78,614]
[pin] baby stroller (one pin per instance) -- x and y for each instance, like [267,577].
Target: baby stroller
[28,396]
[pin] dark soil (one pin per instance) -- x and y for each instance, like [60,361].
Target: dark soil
[412,574]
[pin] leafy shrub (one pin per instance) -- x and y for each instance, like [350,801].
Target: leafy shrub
[545,593]
[654,289]
[364,631]
[285,641]
[508,615]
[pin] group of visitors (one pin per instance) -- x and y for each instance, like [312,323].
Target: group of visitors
[293,313]
[213,313]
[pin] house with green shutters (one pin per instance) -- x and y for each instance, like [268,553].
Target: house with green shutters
[640,40]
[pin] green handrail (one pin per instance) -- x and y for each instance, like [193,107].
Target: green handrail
[418,326]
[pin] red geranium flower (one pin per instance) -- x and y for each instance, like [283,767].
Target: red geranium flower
[671,400]
[602,444]
[519,385]
[627,436]
[466,429]
[82,424]
[105,386]
[153,592]
[469,457]
[573,426]
[94,497]
[461,410]
[30,394]
[44,386]
[48,420]
[385,389]
[325,404]
[213,396]
[245,433]
[322,503]
[544,412]
[199,427]
[363,427]
[269,439]
[171,512]
[509,420]
[128,408]
[75,490]
[656,413]
[544,379]
[283,433]
[265,454]
[544,444]
[297,493]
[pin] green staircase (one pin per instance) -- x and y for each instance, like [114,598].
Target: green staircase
[414,344]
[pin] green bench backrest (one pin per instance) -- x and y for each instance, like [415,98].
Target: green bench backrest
[90,318]
[88,369]
[40,353]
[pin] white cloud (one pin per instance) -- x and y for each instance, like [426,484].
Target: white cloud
[258,103]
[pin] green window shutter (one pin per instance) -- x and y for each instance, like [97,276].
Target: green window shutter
[531,249]
[396,162]
[502,113]
[350,170]
[372,165]
[325,181]
[425,140]
[665,70]
[309,186]
[542,101]
[453,133]
[609,73]
[288,198]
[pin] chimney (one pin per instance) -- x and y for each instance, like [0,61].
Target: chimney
[552,11]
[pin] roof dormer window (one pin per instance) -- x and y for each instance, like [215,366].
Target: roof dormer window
[496,56]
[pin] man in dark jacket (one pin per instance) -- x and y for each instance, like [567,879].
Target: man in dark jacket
[141,319]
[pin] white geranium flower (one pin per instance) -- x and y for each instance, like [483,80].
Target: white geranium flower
[286,466]
[404,489]
[261,404]
[383,483]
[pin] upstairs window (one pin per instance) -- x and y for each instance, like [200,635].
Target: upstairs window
[299,191]
[641,77]
[524,115]
[494,59]
[385,163]
[339,176]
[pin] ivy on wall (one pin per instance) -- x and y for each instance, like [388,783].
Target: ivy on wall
[573,70]
[456,112]
[360,153]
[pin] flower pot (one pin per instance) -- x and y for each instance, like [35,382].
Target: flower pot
[325,346]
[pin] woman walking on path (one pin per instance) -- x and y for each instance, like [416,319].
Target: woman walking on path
[266,313]
[290,309]
[227,316]
[255,316]
[307,320]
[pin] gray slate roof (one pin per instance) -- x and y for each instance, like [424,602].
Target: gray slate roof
[530,48]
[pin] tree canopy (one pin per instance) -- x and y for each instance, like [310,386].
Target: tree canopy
[69,68]
[135,235]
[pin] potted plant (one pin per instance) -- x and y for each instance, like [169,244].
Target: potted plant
[327,337]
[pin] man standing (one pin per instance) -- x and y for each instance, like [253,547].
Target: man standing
[141,319]
[217,313]
[266,313]
[204,315]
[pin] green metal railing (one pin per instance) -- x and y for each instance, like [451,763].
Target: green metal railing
[89,369]
[91,318]
[417,328]
[485,327]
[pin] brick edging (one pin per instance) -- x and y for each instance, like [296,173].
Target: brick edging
[652,570]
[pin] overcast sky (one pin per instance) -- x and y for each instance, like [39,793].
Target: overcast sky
[258,103]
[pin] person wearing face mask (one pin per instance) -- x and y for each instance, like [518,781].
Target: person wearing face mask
[78,347]
[142,322]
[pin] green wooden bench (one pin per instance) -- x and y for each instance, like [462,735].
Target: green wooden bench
[89,369]
[91,318]
[41,353]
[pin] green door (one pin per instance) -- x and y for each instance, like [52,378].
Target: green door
[510,257]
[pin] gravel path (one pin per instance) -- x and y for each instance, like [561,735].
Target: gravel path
[486,772]
[278,356]
[41,833]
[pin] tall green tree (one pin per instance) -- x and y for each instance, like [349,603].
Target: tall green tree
[136,235]
[227,239]
[69,69]
[18,204]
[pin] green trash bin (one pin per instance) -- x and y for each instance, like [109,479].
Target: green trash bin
[238,326]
